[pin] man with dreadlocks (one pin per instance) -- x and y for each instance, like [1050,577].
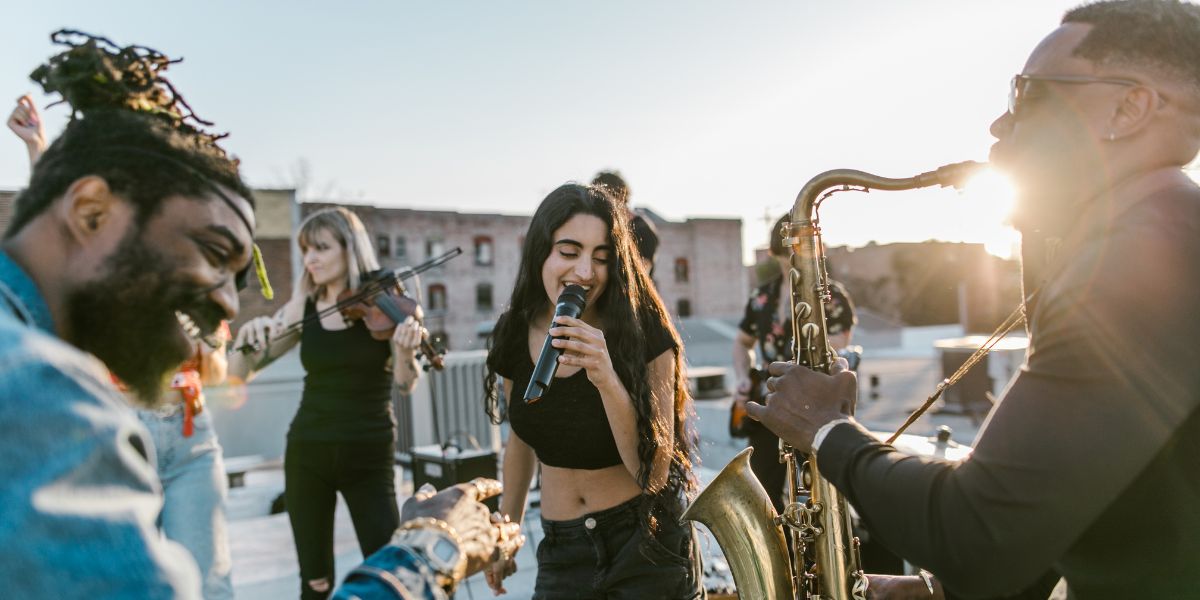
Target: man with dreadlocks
[130,245]
[127,245]
[191,467]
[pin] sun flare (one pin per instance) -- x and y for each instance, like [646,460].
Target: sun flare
[992,197]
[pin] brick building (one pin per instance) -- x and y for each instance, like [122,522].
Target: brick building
[698,272]
[920,283]
[929,282]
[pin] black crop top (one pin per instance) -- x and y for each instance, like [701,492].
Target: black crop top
[568,427]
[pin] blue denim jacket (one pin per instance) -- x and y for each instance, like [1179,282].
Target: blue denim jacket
[392,573]
[79,495]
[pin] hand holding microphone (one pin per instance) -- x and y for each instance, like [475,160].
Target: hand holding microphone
[571,303]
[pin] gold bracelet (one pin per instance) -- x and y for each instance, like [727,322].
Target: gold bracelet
[430,522]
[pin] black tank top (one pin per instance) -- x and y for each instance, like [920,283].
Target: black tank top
[568,427]
[347,387]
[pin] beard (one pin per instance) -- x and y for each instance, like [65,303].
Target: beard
[126,317]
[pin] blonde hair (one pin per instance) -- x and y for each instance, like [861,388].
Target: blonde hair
[348,230]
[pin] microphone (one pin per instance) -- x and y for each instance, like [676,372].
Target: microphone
[570,303]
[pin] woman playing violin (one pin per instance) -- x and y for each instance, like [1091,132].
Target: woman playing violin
[342,438]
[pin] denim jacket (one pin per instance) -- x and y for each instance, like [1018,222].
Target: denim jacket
[392,573]
[80,496]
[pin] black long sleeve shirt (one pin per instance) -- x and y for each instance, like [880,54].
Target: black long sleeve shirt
[1090,462]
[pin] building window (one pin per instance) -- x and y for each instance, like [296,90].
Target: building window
[681,270]
[683,308]
[483,297]
[401,250]
[483,251]
[437,297]
[383,245]
[434,247]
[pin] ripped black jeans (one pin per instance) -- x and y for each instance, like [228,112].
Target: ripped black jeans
[600,556]
[315,473]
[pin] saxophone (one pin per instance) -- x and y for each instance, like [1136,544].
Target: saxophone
[734,506]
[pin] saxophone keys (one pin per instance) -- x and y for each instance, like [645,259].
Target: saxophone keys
[803,311]
[809,331]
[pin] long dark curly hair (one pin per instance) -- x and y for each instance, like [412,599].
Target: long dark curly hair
[629,306]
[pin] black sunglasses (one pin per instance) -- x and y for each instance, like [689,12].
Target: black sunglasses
[1018,90]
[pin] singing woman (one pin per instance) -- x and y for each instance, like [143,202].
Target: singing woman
[342,438]
[610,433]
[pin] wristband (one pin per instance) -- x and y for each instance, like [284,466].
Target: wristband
[438,543]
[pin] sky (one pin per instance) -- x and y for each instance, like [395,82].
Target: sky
[709,109]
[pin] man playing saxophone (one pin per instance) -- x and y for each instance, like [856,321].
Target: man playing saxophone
[1088,464]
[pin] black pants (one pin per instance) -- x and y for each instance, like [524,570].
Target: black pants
[314,473]
[601,556]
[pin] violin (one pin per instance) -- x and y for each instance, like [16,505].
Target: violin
[383,311]
[382,304]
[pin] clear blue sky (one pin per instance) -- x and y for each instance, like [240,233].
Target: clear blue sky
[708,108]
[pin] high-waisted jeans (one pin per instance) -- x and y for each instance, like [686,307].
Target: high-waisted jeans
[602,556]
[194,490]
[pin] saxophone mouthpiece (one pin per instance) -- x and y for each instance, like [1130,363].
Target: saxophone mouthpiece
[958,174]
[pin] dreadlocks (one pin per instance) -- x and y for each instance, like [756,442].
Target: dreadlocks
[128,125]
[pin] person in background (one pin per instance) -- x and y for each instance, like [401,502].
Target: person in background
[766,326]
[645,234]
[342,439]
[26,123]
[191,465]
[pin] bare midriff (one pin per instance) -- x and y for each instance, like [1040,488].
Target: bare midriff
[571,493]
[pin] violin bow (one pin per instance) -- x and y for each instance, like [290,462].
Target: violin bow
[370,289]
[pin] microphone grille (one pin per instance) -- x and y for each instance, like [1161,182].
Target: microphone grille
[574,294]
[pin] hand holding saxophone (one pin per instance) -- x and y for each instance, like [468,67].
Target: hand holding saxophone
[799,401]
[904,587]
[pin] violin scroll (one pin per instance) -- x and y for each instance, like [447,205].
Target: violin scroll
[382,305]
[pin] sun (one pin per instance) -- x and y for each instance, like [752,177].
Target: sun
[992,197]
